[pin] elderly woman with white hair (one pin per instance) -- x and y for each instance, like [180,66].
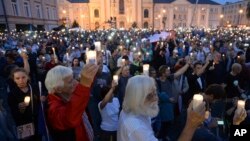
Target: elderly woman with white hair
[140,105]
[67,101]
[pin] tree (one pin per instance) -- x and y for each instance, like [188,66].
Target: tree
[134,25]
[75,24]
[248,10]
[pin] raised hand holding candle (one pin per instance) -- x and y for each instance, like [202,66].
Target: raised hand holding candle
[146,69]
[67,56]
[91,57]
[197,101]
[54,52]
[115,78]
[98,46]
[123,62]
[27,100]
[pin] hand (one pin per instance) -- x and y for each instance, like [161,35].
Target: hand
[24,55]
[239,115]
[195,118]
[22,106]
[114,84]
[88,74]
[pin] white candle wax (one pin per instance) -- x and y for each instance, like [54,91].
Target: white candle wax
[197,101]
[241,104]
[115,78]
[67,55]
[53,49]
[27,100]
[98,46]
[123,61]
[91,57]
[146,69]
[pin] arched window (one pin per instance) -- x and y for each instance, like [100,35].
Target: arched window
[146,13]
[96,13]
[145,25]
[122,25]
[121,7]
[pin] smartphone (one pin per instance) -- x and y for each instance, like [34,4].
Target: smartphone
[220,122]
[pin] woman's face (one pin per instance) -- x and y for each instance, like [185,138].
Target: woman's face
[21,79]
[76,62]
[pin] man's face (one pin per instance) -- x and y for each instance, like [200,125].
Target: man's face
[125,71]
[151,107]
[69,85]
[197,68]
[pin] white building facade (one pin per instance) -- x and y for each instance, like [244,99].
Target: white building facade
[26,14]
[159,14]
[234,14]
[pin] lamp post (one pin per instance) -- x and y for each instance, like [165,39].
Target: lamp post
[221,17]
[64,13]
[240,11]
[164,18]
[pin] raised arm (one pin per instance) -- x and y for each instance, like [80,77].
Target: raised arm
[108,96]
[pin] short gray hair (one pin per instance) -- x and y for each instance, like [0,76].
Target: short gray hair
[136,92]
[55,76]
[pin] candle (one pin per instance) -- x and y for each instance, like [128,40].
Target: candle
[40,87]
[123,61]
[67,55]
[73,48]
[139,53]
[115,78]
[241,104]
[168,68]
[213,64]
[197,101]
[91,57]
[98,46]
[27,100]
[191,54]
[146,69]
[54,52]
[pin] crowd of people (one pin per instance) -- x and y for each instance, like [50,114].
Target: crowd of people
[50,90]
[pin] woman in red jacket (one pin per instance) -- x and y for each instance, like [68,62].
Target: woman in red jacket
[67,102]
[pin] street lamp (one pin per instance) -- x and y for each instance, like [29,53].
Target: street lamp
[164,18]
[64,12]
[221,17]
[240,11]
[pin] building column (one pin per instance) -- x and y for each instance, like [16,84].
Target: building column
[102,12]
[139,12]
[207,18]
[134,15]
[171,18]
[189,16]
[198,11]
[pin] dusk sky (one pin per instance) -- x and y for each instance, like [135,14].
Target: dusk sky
[224,1]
